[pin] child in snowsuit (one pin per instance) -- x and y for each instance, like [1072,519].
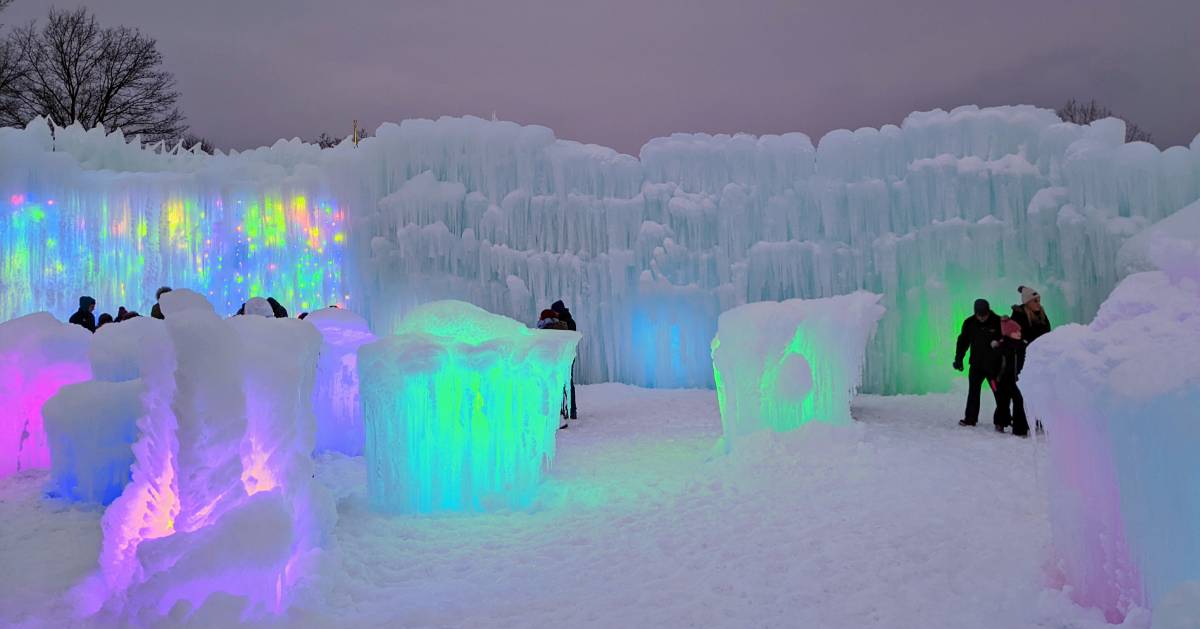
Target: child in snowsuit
[1010,350]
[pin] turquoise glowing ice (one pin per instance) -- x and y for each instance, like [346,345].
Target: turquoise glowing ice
[461,408]
[779,365]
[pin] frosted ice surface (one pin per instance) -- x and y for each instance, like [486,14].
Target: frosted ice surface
[335,395]
[1180,609]
[932,213]
[1119,398]
[779,365]
[221,498]
[38,356]
[91,427]
[461,408]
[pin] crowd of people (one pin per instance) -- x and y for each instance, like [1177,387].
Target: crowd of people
[86,315]
[996,345]
[997,353]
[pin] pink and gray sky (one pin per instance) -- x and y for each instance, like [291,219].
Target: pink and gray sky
[619,72]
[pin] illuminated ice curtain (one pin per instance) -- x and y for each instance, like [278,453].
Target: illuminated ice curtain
[120,242]
[461,408]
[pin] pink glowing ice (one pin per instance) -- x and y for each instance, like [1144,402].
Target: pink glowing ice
[38,356]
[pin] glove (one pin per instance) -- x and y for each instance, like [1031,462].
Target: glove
[958,365]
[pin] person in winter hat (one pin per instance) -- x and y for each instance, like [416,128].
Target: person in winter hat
[83,316]
[257,306]
[564,315]
[1033,321]
[277,308]
[978,332]
[1030,315]
[156,310]
[549,320]
[1010,349]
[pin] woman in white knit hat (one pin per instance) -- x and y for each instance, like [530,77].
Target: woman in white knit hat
[1034,323]
[1030,315]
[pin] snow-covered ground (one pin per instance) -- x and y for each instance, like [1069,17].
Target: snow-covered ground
[902,520]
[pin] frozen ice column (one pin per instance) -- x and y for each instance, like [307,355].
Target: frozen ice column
[781,364]
[1119,400]
[38,356]
[221,512]
[335,396]
[460,408]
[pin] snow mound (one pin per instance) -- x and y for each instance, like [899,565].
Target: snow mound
[1118,398]
[779,365]
[461,408]
[38,356]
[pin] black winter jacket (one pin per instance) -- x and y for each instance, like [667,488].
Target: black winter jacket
[84,318]
[1030,330]
[977,336]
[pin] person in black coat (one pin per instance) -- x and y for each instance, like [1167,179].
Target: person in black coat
[978,332]
[156,310]
[83,316]
[277,308]
[564,315]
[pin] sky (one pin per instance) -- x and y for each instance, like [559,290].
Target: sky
[619,72]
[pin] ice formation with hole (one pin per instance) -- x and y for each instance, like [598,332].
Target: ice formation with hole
[221,510]
[335,396]
[779,365]
[38,356]
[647,251]
[1118,398]
[461,407]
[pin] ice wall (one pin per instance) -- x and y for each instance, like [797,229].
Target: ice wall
[647,252]
[335,396]
[779,365]
[38,356]
[1118,398]
[221,499]
[461,408]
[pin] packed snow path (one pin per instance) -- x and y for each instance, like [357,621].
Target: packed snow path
[902,520]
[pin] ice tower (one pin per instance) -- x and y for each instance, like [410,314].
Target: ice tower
[461,408]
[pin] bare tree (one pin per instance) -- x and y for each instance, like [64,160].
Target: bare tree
[73,70]
[326,141]
[8,73]
[189,140]
[1087,113]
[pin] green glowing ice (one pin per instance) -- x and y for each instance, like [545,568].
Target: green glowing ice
[460,408]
